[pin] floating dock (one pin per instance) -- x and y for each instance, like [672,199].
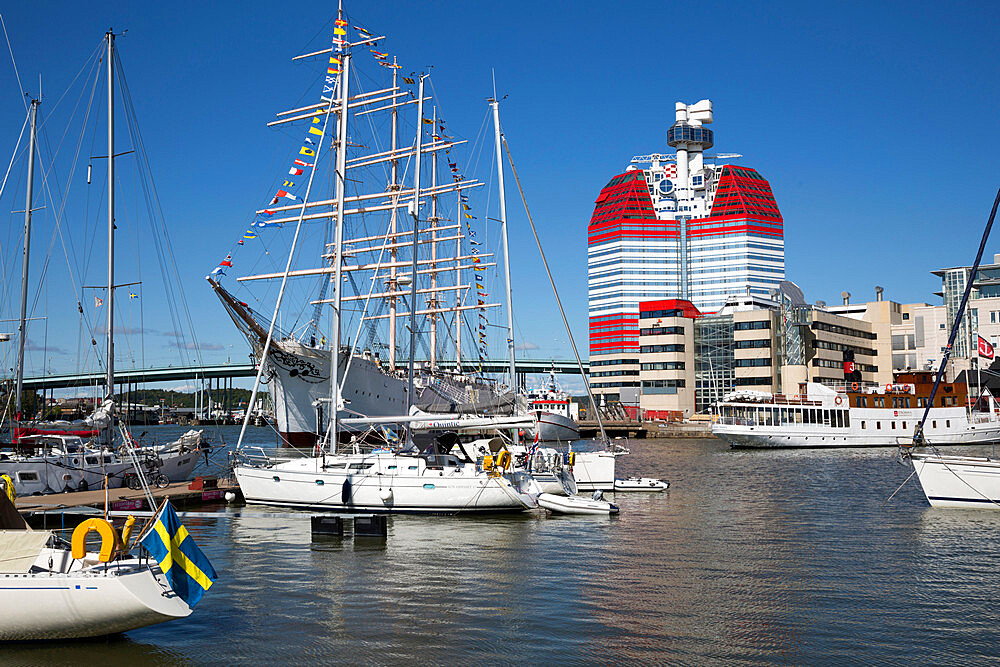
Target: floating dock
[70,508]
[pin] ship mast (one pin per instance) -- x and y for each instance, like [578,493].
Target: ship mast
[415,212]
[433,301]
[394,252]
[22,323]
[506,251]
[111,216]
[338,278]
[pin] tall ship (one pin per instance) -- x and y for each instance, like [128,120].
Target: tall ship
[392,244]
[853,415]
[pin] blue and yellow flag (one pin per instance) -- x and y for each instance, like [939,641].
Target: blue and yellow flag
[185,566]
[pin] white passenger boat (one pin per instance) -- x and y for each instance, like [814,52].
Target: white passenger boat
[855,416]
[575,504]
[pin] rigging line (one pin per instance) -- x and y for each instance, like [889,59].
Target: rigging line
[156,209]
[284,280]
[14,155]
[569,332]
[13,62]
[92,61]
[918,435]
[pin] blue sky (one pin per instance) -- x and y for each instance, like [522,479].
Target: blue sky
[874,123]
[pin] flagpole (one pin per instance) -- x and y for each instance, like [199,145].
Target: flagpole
[432,302]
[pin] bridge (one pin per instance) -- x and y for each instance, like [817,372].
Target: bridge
[136,376]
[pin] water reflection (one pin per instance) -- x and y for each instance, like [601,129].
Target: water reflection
[752,556]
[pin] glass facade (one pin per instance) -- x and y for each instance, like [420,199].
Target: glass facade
[714,363]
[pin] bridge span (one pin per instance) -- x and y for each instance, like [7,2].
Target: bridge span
[137,376]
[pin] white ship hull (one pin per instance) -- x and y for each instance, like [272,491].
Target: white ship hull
[553,427]
[958,481]
[866,427]
[57,473]
[89,603]
[300,376]
[384,483]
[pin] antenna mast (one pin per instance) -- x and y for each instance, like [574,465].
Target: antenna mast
[22,324]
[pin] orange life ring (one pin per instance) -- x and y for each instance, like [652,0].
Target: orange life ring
[888,388]
[838,400]
[854,386]
[110,540]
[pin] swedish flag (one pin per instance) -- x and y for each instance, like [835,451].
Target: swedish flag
[185,566]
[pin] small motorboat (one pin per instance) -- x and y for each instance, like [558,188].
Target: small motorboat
[576,504]
[641,484]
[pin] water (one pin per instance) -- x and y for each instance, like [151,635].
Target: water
[751,557]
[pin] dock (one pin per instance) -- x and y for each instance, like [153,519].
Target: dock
[639,430]
[71,508]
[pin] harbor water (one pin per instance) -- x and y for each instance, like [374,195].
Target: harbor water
[751,557]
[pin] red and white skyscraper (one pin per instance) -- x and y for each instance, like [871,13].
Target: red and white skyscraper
[684,226]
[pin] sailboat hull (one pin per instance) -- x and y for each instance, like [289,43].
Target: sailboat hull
[384,484]
[959,481]
[85,604]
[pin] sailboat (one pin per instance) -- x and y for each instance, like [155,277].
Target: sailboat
[52,589]
[955,481]
[359,394]
[47,457]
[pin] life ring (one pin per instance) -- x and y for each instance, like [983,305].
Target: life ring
[888,388]
[855,386]
[110,541]
[503,460]
[838,400]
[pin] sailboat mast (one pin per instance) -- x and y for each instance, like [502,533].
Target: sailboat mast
[506,249]
[338,276]
[111,216]
[22,329]
[394,252]
[432,302]
[415,212]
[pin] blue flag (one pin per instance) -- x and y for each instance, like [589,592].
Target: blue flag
[185,566]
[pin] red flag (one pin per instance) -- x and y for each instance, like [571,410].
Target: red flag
[848,367]
[985,348]
[303,164]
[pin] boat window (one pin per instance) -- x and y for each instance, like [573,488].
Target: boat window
[907,402]
[904,426]
[826,417]
[878,426]
[412,468]
[391,467]
[862,426]
[360,466]
[91,460]
[947,423]
[27,476]
[933,423]
[798,415]
[893,426]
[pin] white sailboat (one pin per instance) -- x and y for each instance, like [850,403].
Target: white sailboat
[52,457]
[955,481]
[54,590]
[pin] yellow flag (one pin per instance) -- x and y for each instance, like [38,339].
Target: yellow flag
[468,216]
[306,151]
[334,61]
[339,31]
[315,130]
[316,119]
